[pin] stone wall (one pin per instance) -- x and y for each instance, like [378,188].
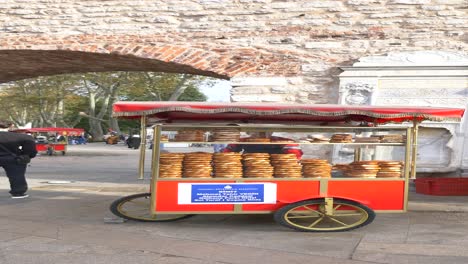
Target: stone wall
[272,50]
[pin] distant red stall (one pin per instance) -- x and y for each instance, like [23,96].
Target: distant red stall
[55,145]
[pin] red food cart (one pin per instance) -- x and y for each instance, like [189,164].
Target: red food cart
[311,194]
[51,144]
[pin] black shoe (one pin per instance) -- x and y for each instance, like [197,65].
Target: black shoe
[19,196]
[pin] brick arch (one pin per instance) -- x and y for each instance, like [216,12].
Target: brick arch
[32,56]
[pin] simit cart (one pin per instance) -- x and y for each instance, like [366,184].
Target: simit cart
[51,135]
[324,195]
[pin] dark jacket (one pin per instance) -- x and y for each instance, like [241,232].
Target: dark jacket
[20,144]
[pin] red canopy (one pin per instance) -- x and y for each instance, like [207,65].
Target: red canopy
[263,112]
[60,130]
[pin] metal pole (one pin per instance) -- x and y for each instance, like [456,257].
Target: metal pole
[152,152]
[357,153]
[408,165]
[414,148]
[141,168]
[155,166]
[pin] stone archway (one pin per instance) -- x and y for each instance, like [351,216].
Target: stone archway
[33,56]
[25,57]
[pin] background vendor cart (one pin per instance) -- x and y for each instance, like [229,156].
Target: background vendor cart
[305,200]
[52,139]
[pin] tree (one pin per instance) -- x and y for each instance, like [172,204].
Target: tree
[101,89]
[152,86]
[104,89]
[40,101]
[16,104]
[58,100]
[192,94]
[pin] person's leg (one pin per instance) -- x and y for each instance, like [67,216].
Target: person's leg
[16,175]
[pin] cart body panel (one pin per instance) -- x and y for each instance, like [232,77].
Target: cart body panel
[43,147]
[58,146]
[377,195]
[167,199]
[287,192]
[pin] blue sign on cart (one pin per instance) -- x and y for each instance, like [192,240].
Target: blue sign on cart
[216,193]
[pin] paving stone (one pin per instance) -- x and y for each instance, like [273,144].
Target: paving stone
[407,259]
[414,249]
[65,225]
[297,242]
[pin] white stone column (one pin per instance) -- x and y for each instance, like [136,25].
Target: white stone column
[464,144]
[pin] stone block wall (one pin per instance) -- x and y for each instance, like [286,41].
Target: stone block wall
[293,47]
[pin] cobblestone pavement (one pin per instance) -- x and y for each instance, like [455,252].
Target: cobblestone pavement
[64,223]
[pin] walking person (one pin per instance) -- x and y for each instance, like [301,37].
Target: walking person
[16,150]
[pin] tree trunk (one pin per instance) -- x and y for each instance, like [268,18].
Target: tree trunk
[113,123]
[180,88]
[96,130]
[61,109]
[95,126]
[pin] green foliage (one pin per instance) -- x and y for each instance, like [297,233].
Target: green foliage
[37,100]
[151,86]
[73,105]
[58,100]
[192,94]
[126,126]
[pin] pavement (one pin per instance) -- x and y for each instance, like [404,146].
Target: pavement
[66,220]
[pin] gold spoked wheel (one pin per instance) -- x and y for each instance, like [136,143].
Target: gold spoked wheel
[319,215]
[137,207]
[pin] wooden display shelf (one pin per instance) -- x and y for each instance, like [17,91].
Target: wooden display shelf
[284,143]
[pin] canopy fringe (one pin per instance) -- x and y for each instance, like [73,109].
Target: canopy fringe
[414,115]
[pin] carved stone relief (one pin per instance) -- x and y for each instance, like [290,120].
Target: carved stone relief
[357,92]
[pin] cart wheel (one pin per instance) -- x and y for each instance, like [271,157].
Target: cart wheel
[311,216]
[137,207]
[50,151]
